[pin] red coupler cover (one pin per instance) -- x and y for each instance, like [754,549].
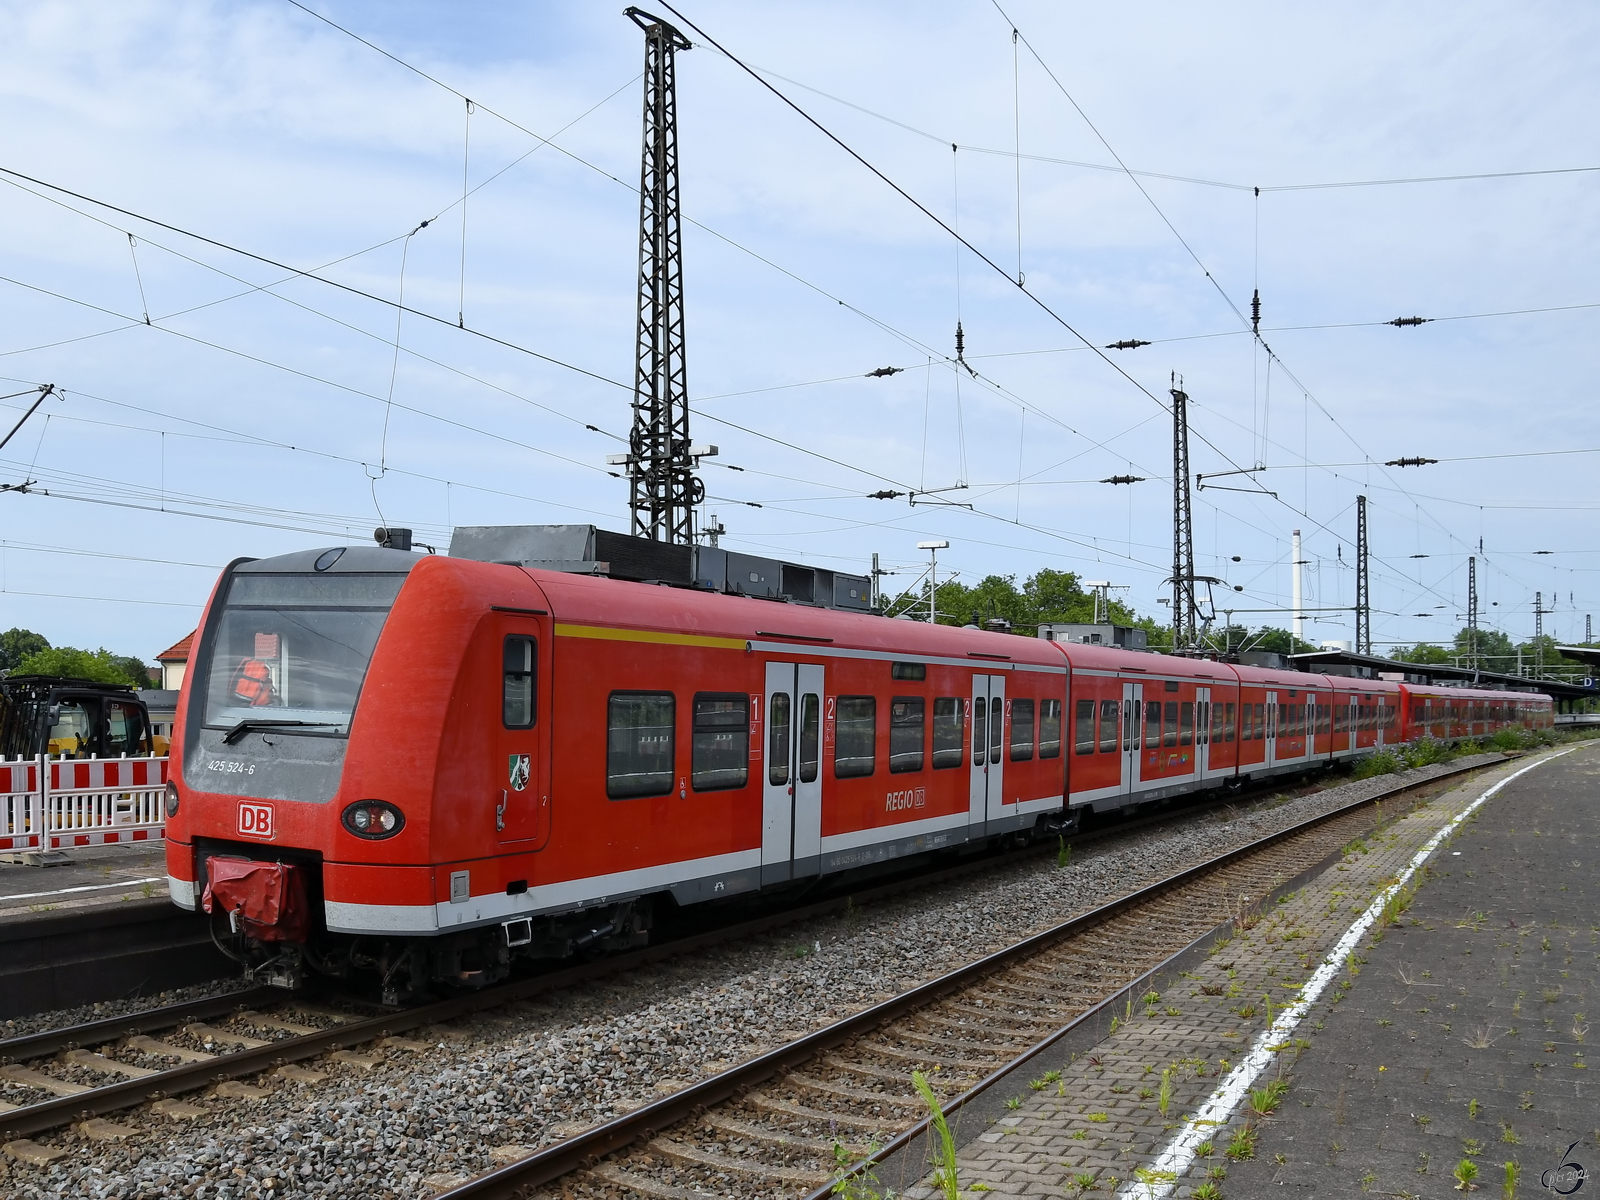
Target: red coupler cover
[269,897]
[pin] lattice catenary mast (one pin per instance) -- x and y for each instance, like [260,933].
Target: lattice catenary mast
[1472,609]
[1363,594]
[1184,633]
[663,488]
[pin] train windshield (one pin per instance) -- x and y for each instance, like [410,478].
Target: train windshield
[291,651]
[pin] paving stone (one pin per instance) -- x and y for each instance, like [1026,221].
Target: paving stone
[1470,952]
[1197,1030]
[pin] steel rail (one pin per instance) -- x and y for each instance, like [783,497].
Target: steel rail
[585,1149]
[112,1097]
[71,1037]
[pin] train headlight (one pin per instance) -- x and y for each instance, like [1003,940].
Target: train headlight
[172,799]
[373,819]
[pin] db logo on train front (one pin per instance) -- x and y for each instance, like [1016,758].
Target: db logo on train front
[255,819]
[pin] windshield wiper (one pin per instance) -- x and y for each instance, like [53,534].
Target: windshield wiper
[249,723]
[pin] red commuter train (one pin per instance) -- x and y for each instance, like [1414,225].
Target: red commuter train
[425,766]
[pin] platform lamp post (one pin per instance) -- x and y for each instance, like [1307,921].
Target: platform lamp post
[933,549]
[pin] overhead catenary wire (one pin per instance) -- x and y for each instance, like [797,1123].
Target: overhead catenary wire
[749,70]
[1120,169]
[758,434]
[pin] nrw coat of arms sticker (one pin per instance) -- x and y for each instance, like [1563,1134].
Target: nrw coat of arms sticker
[520,767]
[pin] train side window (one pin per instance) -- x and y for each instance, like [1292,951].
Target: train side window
[1170,722]
[1083,728]
[1217,735]
[721,750]
[1050,728]
[1186,723]
[1152,720]
[855,734]
[915,672]
[810,723]
[948,721]
[1248,732]
[779,728]
[980,730]
[907,719]
[1108,726]
[1261,722]
[519,656]
[1022,731]
[1227,723]
[639,744]
[997,722]
[125,732]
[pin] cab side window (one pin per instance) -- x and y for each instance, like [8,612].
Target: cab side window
[519,657]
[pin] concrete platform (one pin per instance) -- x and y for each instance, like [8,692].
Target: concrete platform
[93,876]
[1472,1030]
[98,928]
[1317,994]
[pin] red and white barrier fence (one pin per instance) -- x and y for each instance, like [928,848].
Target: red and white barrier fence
[56,804]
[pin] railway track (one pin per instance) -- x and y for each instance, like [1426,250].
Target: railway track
[784,1123]
[764,1125]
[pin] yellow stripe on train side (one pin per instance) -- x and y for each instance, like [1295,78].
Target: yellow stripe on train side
[608,634]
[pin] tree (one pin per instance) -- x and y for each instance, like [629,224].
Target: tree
[1492,649]
[101,665]
[1277,641]
[1424,652]
[17,644]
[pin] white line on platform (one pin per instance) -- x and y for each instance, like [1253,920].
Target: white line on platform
[91,887]
[1160,1178]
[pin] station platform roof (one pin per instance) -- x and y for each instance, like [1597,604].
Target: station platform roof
[1369,666]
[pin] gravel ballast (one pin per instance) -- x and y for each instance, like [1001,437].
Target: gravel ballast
[532,1072]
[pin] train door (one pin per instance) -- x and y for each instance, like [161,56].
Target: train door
[988,754]
[522,812]
[1132,702]
[1379,713]
[1350,721]
[791,789]
[1272,729]
[1202,731]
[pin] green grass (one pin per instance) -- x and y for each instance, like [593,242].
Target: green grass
[946,1175]
[1266,1099]
[1242,1144]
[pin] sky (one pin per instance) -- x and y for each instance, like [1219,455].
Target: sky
[211,405]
